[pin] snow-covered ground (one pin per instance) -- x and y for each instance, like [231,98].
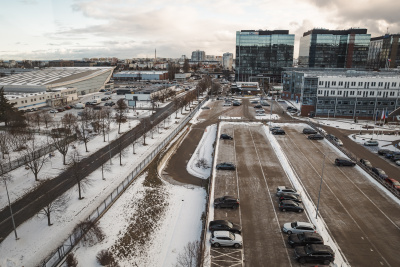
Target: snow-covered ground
[204,150]
[37,240]
[385,141]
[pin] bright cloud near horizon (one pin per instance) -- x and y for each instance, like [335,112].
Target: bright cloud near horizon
[76,29]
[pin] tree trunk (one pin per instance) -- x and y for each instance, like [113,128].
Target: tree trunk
[79,190]
[48,219]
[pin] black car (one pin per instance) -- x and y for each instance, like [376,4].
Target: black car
[309,131]
[225,136]
[381,173]
[392,154]
[290,205]
[395,158]
[314,253]
[289,108]
[344,162]
[226,202]
[257,106]
[254,102]
[366,163]
[235,103]
[383,151]
[226,166]
[305,239]
[224,225]
[278,132]
[104,99]
[315,137]
[290,197]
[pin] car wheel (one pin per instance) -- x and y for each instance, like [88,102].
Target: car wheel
[289,232]
[327,262]
[302,260]
[234,206]
[300,211]
[283,209]
[236,245]
[216,245]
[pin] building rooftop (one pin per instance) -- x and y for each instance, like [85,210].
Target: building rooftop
[348,73]
[51,76]
[140,72]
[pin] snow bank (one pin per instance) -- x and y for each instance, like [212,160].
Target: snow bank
[204,150]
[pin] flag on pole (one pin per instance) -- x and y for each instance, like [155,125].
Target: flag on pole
[383,114]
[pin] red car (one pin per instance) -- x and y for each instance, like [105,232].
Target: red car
[393,183]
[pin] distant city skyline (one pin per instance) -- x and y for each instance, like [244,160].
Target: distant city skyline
[76,29]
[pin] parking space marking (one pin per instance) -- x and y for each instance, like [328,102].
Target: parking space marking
[236,257]
[341,204]
[270,197]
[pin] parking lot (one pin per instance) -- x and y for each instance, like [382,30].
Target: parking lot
[360,216]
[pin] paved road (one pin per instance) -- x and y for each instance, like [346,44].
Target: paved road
[363,220]
[33,202]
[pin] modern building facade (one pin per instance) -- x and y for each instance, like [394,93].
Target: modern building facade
[198,56]
[322,48]
[384,52]
[342,93]
[227,61]
[263,53]
[140,75]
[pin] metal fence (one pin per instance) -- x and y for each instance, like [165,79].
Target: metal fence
[12,165]
[59,254]
[356,160]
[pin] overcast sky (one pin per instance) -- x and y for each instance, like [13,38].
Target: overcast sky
[74,29]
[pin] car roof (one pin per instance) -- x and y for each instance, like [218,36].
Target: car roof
[288,202]
[281,187]
[288,195]
[312,234]
[320,247]
[221,233]
[220,222]
[305,224]
[341,158]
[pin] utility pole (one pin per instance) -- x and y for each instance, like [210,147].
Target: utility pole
[9,204]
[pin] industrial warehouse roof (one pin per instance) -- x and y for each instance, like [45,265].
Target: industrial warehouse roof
[51,76]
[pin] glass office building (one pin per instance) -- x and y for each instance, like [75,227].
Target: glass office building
[263,53]
[321,48]
[384,52]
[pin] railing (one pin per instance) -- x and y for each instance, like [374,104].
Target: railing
[356,160]
[12,165]
[59,254]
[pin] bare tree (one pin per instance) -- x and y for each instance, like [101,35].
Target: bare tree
[4,143]
[145,126]
[77,172]
[71,261]
[134,140]
[120,117]
[69,120]
[91,232]
[104,168]
[83,133]
[177,104]
[46,118]
[34,160]
[61,141]
[191,255]
[105,121]
[36,119]
[57,205]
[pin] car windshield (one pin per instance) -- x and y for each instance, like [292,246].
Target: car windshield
[229,224]
[301,237]
[396,183]
[293,224]
[308,249]
[232,236]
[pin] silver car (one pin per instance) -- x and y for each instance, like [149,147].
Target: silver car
[225,239]
[286,190]
[298,227]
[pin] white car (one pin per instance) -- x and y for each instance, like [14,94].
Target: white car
[53,111]
[298,227]
[225,239]
[339,142]
[227,104]
[286,190]
[398,162]
[371,143]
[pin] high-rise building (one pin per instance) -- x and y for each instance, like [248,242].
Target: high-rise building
[198,56]
[384,52]
[322,48]
[263,53]
[227,61]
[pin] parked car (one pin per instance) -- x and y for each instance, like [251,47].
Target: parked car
[314,253]
[108,93]
[398,162]
[226,202]
[381,173]
[227,104]
[225,136]
[265,104]
[104,99]
[236,103]
[305,239]
[257,106]
[278,132]
[286,190]
[289,108]
[338,142]
[290,197]
[102,90]
[293,110]
[289,205]
[226,238]
[395,157]
[366,163]
[53,111]
[344,162]
[371,143]
[205,107]
[67,107]
[298,228]
[273,128]
[315,137]
[309,131]
[392,154]
[254,102]
[226,166]
[60,109]
[393,183]
[383,151]
[224,225]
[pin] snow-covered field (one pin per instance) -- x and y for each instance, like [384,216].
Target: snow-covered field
[385,141]
[37,240]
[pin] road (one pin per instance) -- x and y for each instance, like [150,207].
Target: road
[34,201]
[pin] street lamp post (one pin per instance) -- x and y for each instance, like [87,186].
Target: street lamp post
[9,204]
[320,185]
